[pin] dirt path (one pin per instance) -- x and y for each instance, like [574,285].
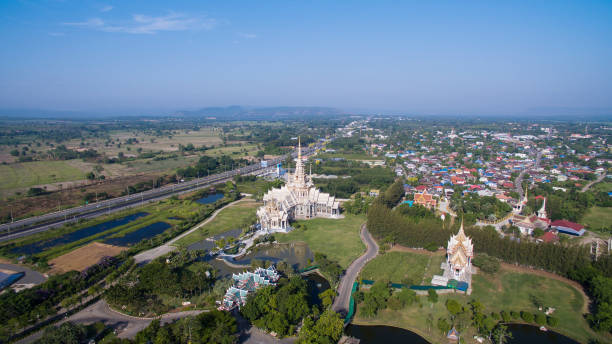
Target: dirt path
[400,248]
[576,285]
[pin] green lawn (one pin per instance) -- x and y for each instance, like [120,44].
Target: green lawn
[403,267]
[232,217]
[597,217]
[394,267]
[505,290]
[26,174]
[337,238]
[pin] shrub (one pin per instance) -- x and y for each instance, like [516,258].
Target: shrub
[433,247]
[515,315]
[432,296]
[505,316]
[526,316]
[540,319]
[486,263]
[552,321]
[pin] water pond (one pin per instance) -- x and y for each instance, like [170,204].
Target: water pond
[527,334]
[38,247]
[521,334]
[210,198]
[210,244]
[139,234]
[384,335]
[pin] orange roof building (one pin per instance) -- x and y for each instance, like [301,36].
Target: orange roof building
[425,199]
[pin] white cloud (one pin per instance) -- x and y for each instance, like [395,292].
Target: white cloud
[143,24]
[106,8]
[247,35]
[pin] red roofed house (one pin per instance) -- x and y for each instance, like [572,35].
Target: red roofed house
[568,227]
[425,199]
[549,237]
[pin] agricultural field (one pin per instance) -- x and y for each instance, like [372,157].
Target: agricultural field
[83,257]
[147,142]
[509,289]
[26,174]
[241,150]
[337,238]
[350,156]
[238,215]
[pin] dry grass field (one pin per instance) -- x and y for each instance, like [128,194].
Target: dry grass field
[83,257]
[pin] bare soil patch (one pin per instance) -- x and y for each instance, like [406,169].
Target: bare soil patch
[400,248]
[83,257]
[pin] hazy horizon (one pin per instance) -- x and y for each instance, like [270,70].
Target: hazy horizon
[443,58]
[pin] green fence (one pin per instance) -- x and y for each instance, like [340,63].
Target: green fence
[309,269]
[351,310]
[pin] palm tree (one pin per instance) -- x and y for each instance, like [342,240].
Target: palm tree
[500,334]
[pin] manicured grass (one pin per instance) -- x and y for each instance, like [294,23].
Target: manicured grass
[337,238]
[232,217]
[597,217]
[403,267]
[396,267]
[505,290]
[26,174]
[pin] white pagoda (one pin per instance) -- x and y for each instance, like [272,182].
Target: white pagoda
[298,199]
[459,254]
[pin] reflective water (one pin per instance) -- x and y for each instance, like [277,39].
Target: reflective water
[521,334]
[297,255]
[209,244]
[77,235]
[531,334]
[210,198]
[139,234]
[384,335]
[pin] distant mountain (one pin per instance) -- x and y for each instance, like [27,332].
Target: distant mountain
[261,113]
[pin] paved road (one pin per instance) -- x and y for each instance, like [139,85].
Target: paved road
[159,251]
[126,325]
[600,178]
[341,304]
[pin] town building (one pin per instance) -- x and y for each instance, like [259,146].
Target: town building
[425,199]
[568,227]
[298,199]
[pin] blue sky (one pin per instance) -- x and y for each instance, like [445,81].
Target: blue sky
[422,57]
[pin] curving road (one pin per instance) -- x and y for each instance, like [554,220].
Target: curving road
[341,304]
[600,178]
[126,326]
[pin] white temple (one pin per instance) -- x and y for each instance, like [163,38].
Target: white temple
[459,254]
[298,199]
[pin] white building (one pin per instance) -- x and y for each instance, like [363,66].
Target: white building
[298,199]
[459,254]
